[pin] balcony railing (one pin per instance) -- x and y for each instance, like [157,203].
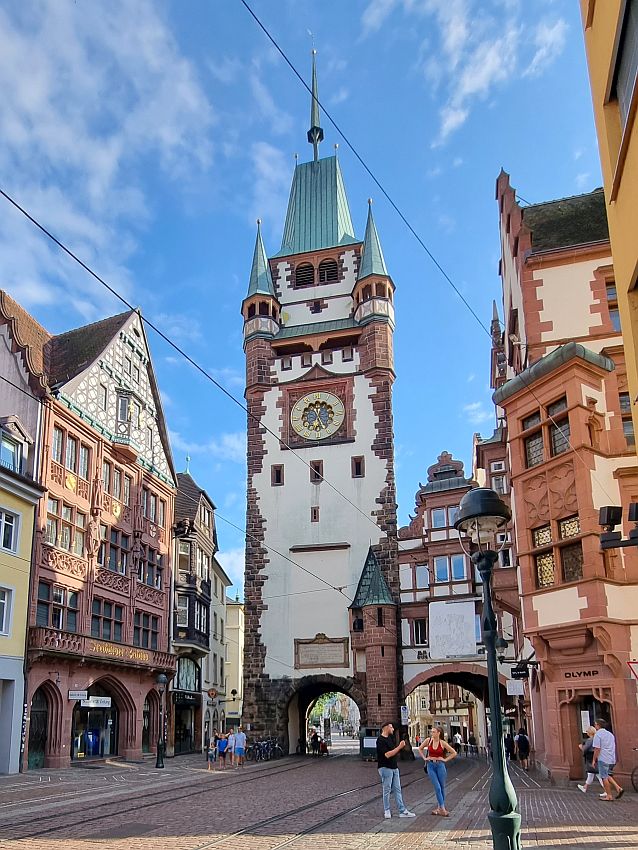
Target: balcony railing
[68,643]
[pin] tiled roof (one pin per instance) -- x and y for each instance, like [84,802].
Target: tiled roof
[568,222]
[69,353]
[316,328]
[188,497]
[372,588]
[318,213]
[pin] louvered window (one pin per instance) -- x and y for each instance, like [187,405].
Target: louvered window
[328,271]
[304,275]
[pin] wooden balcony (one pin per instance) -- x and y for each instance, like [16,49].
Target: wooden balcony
[44,641]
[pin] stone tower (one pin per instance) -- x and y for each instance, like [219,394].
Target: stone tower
[321,502]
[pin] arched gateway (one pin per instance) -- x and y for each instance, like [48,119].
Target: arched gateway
[321,582]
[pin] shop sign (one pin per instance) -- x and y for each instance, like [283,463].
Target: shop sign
[520,672]
[74,696]
[123,653]
[581,674]
[515,689]
[96,702]
[185,696]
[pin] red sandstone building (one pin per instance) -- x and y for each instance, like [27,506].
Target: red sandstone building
[99,603]
[560,379]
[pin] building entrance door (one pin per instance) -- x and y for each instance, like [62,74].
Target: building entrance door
[38,729]
[183,730]
[94,730]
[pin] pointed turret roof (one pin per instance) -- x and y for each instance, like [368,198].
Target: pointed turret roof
[372,261]
[260,277]
[372,588]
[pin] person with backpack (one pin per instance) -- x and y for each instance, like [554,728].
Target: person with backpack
[522,748]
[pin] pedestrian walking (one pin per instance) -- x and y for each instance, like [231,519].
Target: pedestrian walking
[314,743]
[457,740]
[389,771]
[587,749]
[522,748]
[231,747]
[211,752]
[510,746]
[240,747]
[604,744]
[222,747]
[436,752]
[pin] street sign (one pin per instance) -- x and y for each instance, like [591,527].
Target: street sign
[76,695]
[633,666]
[520,672]
[405,715]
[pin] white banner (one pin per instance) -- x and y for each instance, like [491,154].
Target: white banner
[452,629]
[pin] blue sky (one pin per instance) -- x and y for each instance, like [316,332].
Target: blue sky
[149,136]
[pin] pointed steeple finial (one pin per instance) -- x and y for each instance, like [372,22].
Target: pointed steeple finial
[188,464]
[372,261]
[315,133]
[260,277]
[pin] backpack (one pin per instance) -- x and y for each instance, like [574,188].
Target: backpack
[523,744]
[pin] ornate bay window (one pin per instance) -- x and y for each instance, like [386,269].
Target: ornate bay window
[569,555]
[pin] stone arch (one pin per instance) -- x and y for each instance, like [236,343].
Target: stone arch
[295,700]
[53,755]
[128,713]
[153,699]
[471,677]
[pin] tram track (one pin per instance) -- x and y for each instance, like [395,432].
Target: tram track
[208,788]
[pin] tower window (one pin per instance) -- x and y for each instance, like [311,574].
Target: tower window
[304,275]
[379,616]
[378,699]
[314,514]
[326,357]
[263,308]
[358,467]
[306,359]
[277,475]
[347,354]
[328,271]
[286,363]
[367,292]
[316,471]
[251,311]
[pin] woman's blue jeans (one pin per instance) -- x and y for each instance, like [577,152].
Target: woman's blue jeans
[437,772]
[391,783]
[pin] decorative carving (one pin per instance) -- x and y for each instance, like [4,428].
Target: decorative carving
[536,499]
[57,473]
[563,489]
[83,489]
[321,651]
[605,642]
[96,500]
[63,562]
[41,638]
[92,537]
[146,593]
[114,581]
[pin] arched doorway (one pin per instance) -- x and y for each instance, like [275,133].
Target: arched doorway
[303,693]
[95,723]
[38,728]
[332,719]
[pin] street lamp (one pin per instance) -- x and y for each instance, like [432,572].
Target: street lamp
[161,682]
[482,514]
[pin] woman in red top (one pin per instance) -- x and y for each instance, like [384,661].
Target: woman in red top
[436,752]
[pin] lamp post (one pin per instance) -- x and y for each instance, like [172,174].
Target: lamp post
[481,515]
[161,682]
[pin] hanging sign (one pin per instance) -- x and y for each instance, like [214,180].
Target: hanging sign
[96,702]
[519,672]
[76,695]
[515,689]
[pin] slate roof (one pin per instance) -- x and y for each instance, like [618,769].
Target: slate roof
[316,328]
[318,213]
[372,261]
[372,588]
[578,220]
[440,485]
[69,353]
[546,365]
[188,496]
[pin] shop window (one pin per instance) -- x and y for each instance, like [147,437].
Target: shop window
[8,531]
[328,271]
[277,475]
[106,620]
[316,471]
[57,607]
[421,632]
[304,275]
[358,467]
[145,630]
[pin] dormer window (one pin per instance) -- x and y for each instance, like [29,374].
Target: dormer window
[328,271]
[11,454]
[304,275]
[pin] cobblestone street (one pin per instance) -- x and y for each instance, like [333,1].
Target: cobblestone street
[306,804]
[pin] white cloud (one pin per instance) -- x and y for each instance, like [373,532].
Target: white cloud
[271,184]
[86,98]
[582,180]
[476,413]
[233,562]
[458,161]
[375,13]
[228,377]
[549,40]
[279,122]
[179,327]
[341,95]
[230,447]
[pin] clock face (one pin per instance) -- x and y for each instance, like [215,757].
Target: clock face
[316,416]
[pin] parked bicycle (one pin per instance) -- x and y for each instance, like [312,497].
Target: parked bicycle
[265,750]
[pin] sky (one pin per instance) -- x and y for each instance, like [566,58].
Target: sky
[149,137]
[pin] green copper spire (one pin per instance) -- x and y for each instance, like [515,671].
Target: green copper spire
[260,277]
[372,261]
[315,133]
[372,588]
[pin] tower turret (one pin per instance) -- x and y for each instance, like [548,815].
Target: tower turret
[260,308]
[373,291]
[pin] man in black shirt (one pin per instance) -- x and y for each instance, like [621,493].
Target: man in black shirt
[389,772]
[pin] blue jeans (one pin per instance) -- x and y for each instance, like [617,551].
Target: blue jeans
[437,772]
[391,783]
